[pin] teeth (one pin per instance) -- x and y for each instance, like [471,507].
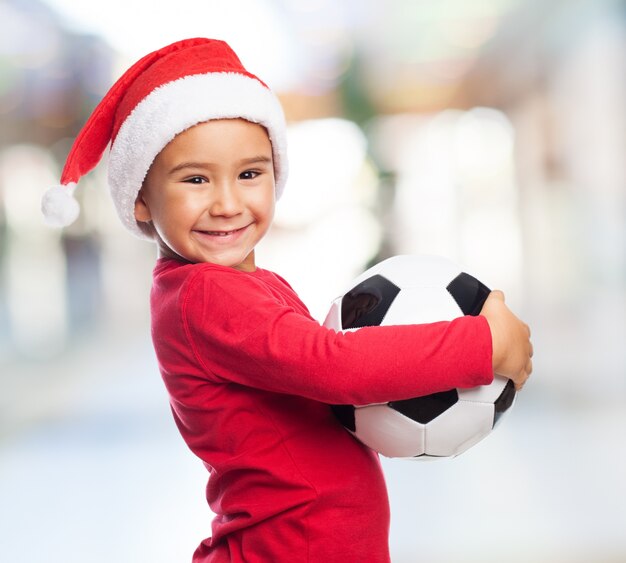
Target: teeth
[219,233]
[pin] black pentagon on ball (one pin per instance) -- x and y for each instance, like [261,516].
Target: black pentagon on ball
[345,415]
[367,303]
[469,293]
[429,456]
[504,401]
[420,409]
[427,408]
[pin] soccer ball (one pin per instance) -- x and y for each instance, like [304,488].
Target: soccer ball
[415,289]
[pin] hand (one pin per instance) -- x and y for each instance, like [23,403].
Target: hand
[512,349]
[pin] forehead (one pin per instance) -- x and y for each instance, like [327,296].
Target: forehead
[220,141]
[234,134]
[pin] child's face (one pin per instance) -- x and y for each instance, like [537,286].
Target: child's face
[209,194]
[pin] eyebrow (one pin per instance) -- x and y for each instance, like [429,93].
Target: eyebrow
[203,165]
[260,158]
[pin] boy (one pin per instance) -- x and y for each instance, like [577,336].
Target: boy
[197,161]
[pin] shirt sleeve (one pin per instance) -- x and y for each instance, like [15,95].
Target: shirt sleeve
[241,333]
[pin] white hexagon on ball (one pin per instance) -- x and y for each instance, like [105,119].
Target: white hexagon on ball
[458,429]
[388,431]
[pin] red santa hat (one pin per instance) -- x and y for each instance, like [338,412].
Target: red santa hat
[161,95]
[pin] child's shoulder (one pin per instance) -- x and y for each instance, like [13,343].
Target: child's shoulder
[216,275]
[221,289]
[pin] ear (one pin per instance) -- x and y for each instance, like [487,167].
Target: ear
[142,211]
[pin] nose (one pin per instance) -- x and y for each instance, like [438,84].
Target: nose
[225,201]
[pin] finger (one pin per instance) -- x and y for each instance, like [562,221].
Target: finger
[522,377]
[497,294]
[532,350]
[529,367]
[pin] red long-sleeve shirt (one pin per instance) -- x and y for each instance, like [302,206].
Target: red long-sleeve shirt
[250,374]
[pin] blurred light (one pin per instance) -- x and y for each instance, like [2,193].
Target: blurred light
[426,197]
[36,303]
[469,33]
[307,5]
[484,143]
[449,70]
[254,28]
[17,40]
[325,158]
[11,92]
[324,231]
[455,192]
[331,53]
[436,30]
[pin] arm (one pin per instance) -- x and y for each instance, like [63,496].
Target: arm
[247,336]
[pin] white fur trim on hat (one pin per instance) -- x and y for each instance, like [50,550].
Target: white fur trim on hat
[176,106]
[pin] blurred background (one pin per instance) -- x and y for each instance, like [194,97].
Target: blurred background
[489,131]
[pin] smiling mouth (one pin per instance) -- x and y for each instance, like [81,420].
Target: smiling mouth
[222,233]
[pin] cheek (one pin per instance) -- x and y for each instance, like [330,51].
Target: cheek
[180,204]
[264,202]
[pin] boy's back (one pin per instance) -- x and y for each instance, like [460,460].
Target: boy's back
[282,469]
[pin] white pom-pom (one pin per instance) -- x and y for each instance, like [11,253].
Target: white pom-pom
[59,207]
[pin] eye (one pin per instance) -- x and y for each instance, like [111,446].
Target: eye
[195,180]
[249,175]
